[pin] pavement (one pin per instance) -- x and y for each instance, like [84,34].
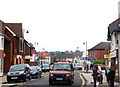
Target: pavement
[89,79]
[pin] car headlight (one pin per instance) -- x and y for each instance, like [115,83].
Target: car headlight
[21,72]
[8,73]
[67,75]
[51,74]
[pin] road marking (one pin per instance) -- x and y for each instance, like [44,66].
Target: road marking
[83,82]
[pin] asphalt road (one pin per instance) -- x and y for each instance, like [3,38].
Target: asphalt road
[44,82]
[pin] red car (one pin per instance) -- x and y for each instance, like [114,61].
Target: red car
[62,72]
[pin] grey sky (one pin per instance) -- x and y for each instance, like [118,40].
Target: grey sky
[61,24]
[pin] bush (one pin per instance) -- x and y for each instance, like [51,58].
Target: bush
[116,79]
[51,63]
[98,62]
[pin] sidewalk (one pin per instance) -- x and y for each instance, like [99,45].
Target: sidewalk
[89,79]
[3,79]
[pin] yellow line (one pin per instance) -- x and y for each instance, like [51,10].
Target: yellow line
[83,82]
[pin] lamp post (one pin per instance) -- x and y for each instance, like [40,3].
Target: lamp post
[86,52]
[36,43]
[24,43]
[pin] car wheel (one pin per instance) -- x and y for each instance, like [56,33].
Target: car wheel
[36,76]
[25,79]
[50,82]
[40,76]
[30,77]
[70,82]
[8,81]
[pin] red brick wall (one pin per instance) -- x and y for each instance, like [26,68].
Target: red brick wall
[99,54]
[8,58]
[1,53]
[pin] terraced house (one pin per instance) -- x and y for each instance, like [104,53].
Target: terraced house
[14,48]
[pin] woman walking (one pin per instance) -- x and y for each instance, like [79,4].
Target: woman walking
[111,76]
[95,69]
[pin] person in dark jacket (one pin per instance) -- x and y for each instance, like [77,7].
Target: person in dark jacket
[111,76]
[95,69]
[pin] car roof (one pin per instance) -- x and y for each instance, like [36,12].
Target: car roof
[63,63]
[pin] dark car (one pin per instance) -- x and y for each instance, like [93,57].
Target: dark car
[45,67]
[62,72]
[35,71]
[19,72]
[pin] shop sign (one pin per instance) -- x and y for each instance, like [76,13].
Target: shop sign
[113,54]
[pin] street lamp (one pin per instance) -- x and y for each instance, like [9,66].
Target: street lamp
[85,43]
[24,43]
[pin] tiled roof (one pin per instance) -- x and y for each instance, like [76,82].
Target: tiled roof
[101,46]
[43,55]
[16,28]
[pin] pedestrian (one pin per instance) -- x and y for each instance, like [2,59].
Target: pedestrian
[91,66]
[87,67]
[95,69]
[100,76]
[111,76]
[106,74]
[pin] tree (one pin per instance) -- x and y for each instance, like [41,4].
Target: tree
[98,62]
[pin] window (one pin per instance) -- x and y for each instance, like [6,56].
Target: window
[21,44]
[1,43]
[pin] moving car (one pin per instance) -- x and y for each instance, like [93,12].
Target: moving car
[45,67]
[62,72]
[78,66]
[19,72]
[35,71]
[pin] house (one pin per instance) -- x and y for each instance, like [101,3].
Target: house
[97,52]
[114,37]
[44,58]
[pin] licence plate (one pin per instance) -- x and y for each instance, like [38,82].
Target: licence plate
[14,78]
[59,78]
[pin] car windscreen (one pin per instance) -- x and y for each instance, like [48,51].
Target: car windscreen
[62,67]
[33,68]
[17,68]
[45,66]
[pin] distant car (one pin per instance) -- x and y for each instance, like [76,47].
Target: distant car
[78,66]
[19,72]
[62,72]
[45,67]
[36,71]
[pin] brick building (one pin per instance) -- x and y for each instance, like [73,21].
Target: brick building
[14,49]
[98,51]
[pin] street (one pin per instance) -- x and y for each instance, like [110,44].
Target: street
[44,81]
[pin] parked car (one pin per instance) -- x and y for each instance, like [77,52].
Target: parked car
[62,72]
[19,72]
[45,67]
[36,71]
[78,66]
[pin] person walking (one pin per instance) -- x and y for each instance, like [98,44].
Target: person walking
[106,73]
[95,69]
[111,76]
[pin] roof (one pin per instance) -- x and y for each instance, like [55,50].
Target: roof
[43,55]
[65,55]
[101,46]
[113,27]
[62,63]
[16,28]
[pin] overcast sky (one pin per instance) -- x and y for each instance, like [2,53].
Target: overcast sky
[59,25]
